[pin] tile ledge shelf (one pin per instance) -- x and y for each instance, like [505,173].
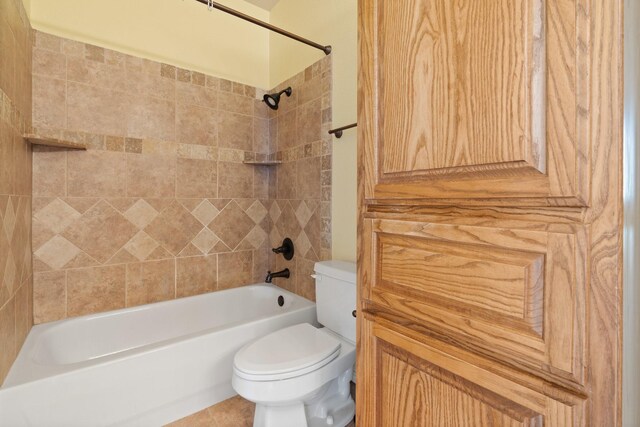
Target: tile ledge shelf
[53,142]
[265,163]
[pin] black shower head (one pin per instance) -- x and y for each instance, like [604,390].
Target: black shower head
[273,100]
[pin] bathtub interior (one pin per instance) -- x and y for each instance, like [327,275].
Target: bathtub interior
[71,344]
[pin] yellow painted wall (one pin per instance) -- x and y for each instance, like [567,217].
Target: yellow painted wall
[331,22]
[177,32]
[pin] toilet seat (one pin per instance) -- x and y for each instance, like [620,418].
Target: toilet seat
[287,353]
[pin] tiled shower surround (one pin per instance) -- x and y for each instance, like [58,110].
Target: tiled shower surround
[161,204]
[15,182]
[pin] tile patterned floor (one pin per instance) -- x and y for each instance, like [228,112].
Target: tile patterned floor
[235,412]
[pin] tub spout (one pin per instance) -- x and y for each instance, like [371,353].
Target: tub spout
[284,273]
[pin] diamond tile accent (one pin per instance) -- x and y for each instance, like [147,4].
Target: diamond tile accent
[303,213]
[302,243]
[141,214]
[288,223]
[100,232]
[257,212]
[275,238]
[205,240]
[275,211]
[205,212]
[256,237]
[10,273]
[57,215]
[141,246]
[9,220]
[232,225]
[57,252]
[174,228]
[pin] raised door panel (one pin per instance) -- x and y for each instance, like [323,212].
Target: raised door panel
[516,295]
[463,99]
[411,383]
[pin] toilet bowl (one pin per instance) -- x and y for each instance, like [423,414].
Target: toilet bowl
[300,375]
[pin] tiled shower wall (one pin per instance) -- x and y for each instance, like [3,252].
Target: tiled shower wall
[160,205]
[15,182]
[302,184]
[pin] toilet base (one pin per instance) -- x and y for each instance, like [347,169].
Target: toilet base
[333,407]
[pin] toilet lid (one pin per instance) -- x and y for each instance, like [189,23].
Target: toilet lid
[288,350]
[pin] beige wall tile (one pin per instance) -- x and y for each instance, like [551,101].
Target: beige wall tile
[100,232]
[49,102]
[72,48]
[23,167]
[151,175]
[49,296]
[261,182]
[149,282]
[95,73]
[235,269]
[7,61]
[144,83]
[49,63]
[235,131]
[309,121]
[15,175]
[306,285]
[196,125]
[187,93]
[24,313]
[261,263]
[308,178]
[174,228]
[287,130]
[290,283]
[310,90]
[261,135]
[96,110]
[196,275]
[150,117]
[233,103]
[7,164]
[235,180]
[196,178]
[232,225]
[287,180]
[94,53]
[7,337]
[93,290]
[84,181]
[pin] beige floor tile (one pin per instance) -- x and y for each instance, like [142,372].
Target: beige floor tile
[199,419]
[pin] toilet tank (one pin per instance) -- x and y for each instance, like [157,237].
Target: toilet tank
[336,297]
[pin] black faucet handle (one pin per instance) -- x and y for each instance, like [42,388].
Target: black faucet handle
[286,249]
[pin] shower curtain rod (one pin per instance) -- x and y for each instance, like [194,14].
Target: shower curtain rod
[212,4]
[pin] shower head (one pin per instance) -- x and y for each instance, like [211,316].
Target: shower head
[273,100]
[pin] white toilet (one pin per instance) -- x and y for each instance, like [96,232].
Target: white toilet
[300,376]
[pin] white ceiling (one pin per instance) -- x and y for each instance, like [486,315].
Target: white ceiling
[264,4]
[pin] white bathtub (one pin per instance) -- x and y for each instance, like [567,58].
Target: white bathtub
[143,366]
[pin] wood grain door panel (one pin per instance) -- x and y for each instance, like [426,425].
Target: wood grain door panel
[516,295]
[411,383]
[475,100]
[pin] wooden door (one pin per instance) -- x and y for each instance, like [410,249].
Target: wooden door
[489,230]
[476,100]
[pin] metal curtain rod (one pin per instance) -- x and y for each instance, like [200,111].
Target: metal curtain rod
[212,4]
[338,131]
